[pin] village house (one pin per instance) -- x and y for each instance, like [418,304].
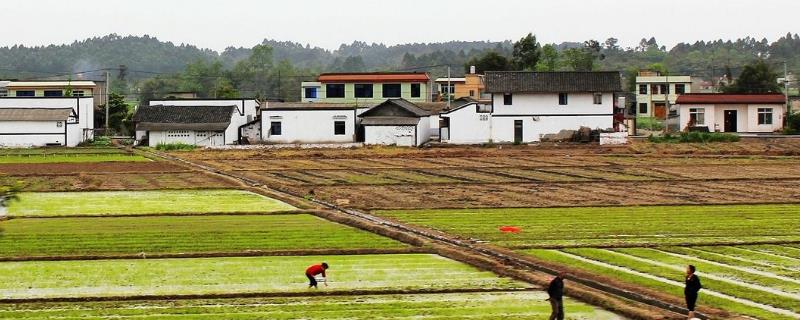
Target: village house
[58,88]
[369,87]
[656,92]
[214,122]
[46,121]
[311,123]
[470,86]
[718,112]
[396,122]
[525,106]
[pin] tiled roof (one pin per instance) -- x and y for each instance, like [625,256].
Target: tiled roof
[374,77]
[389,121]
[316,106]
[386,109]
[210,118]
[552,82]
[724,98]
[35,114]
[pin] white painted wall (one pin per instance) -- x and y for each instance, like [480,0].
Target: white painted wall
[198,138]
[47,132]
[434,124]
[308,126]
[423,131]
[747,117]
[533,130]
[389,135]
[469,127]
[547,103]
[246,111]
[78,130]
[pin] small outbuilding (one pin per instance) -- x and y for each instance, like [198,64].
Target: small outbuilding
[752,113]
[195,125]
[312,123]
[46,121]
[396,122]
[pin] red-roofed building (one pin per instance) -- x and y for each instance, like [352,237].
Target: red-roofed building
[732,112]
[367,87]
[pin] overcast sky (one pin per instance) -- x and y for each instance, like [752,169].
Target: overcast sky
[325,23]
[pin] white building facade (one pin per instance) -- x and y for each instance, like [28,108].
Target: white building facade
[744,113]
[396,122]
[656,93]
[309,123]
[528,105]
[246,111]
[46,121]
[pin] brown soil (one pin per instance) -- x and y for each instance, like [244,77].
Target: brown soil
[100,167]
[118,181]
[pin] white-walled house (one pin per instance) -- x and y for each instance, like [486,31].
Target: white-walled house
[246,112]
[396,122]
[194,125]
[46,121]
[528,105]
[310,122]
[718,112]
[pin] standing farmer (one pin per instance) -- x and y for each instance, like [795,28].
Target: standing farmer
[690,291]
[313,271]
[556,292]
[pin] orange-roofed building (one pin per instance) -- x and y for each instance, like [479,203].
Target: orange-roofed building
[367,87]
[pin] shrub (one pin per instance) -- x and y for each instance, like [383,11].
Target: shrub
[99,141]
[695,137]
[649,123]
[175,146]
[792,124]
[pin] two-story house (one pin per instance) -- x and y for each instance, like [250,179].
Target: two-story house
[58,88]
[368,88]
[470,86]
[527,105]
[655,93]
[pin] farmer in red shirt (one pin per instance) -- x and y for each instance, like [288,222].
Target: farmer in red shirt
[314,270]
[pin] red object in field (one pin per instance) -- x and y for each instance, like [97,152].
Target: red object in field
[510,229]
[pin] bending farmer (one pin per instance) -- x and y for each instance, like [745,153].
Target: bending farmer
[313,271]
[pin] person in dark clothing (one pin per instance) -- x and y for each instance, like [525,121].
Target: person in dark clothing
[690,291]
[556,292]
[313,271]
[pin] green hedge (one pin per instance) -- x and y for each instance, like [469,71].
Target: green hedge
[695,137]
[175,146]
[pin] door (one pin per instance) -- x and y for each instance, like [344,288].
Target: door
[517,131]
[660,111]
[730,121]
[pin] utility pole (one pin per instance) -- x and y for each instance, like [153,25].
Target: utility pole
[449,88]
[786,87]
[108,80]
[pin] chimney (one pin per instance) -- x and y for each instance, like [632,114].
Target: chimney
[471,69]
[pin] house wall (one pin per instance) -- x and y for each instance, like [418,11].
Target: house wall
[377,93]
[389,135]
[198,138]
[547,104]
[78,130]
[309,126]
[246,111]
[37,133]
[746,117]
[650,99]
[534,128]
[468,126]
[423,132]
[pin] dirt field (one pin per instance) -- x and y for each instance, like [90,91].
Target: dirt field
[519,176]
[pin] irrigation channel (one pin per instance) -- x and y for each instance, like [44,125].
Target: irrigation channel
[496,256]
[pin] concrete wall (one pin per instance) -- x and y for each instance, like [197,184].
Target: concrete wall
[37,133]
[390,135]
[199,138]
[78,130]
[469,127]
[746,117]
[547,104]
[246,111]
[308,126]
[423,131]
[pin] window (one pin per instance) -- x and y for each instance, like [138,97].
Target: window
[53,93]
[335,90]
[483,108]
[416,90]
[392,90]
[78,93]
[363,90]
[697,116]
[26,93]
[598,98]
[563,99]
[445,89]
[311,93]
[764,116]
[472,93]
[507,99]
[680,88]
[663,89]
[654,89]
[643,108]
[642,89]
[275,128]
[339,128]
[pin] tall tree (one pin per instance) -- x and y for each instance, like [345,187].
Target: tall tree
[757,77]
[549,59]
[491,61]
[526,53]
[253,75]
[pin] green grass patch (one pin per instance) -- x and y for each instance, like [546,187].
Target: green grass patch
[59,150]
[142,202]
[71,158]
[480,306]
[649,123]
[178,146]
[676,290]
[42,279]
[695,137]
[170,234]
[663,225]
